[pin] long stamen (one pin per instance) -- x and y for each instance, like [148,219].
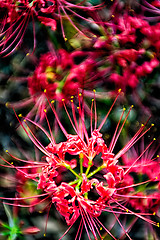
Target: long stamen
[120,223]
[104,120]
[139,157]
[133,140]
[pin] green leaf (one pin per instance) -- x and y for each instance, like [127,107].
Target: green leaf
[9,215]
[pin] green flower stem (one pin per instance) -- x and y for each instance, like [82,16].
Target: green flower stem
[95,171]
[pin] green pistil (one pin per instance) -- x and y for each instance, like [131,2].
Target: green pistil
[95,171]
[78,184]
[74,182]
[70,169]
[89,166]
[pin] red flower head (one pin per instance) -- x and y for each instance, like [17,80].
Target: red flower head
[95,179]
[17,15]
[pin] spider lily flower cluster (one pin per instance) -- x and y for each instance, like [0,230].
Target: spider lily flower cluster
[126,54]
[95,177]
[16,15]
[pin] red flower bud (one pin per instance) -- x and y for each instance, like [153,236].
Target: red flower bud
[31,230]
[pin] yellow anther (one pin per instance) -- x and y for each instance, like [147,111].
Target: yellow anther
[7,104]
[20,115]
[45,90]
[81,155]
[44,235]
[94,90]
[24,120]
[62,99]
[80,94]
[156,178]
[152,124]
[71,100]
[154,213]
[132,106]
[92,100]
[65,39]
[127,210]
[45,110]
[72,97]
[154,139]
[27,54]
[142,125]
[77,107]
[11,162]
[6,151]
[119,90]
[113,16]
[124,109]
[100,228]
[157,156]
[104,165]
[52,101]
[158,224]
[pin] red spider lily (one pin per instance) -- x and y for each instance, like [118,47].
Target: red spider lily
[18,14]
[57,76]
[98,181]
[133,45]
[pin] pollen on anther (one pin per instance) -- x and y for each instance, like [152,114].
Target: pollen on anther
[72,97]
[127,210]
[80,94]
[119,90]
[124,109]
[158,224]
[157,156]
[45,110]
[132,106]
[142,125]
[62,99]
[27,54]
[94,90]
[100,229]
[45,90]
[65,39]
[92,100]
[154,139]
[71,100]
[77,107]
[6,151]
[52,101]
[154,213]
[7,104]
[11,162]
[152,124]
[81,155]
[44,235]
[20,115]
